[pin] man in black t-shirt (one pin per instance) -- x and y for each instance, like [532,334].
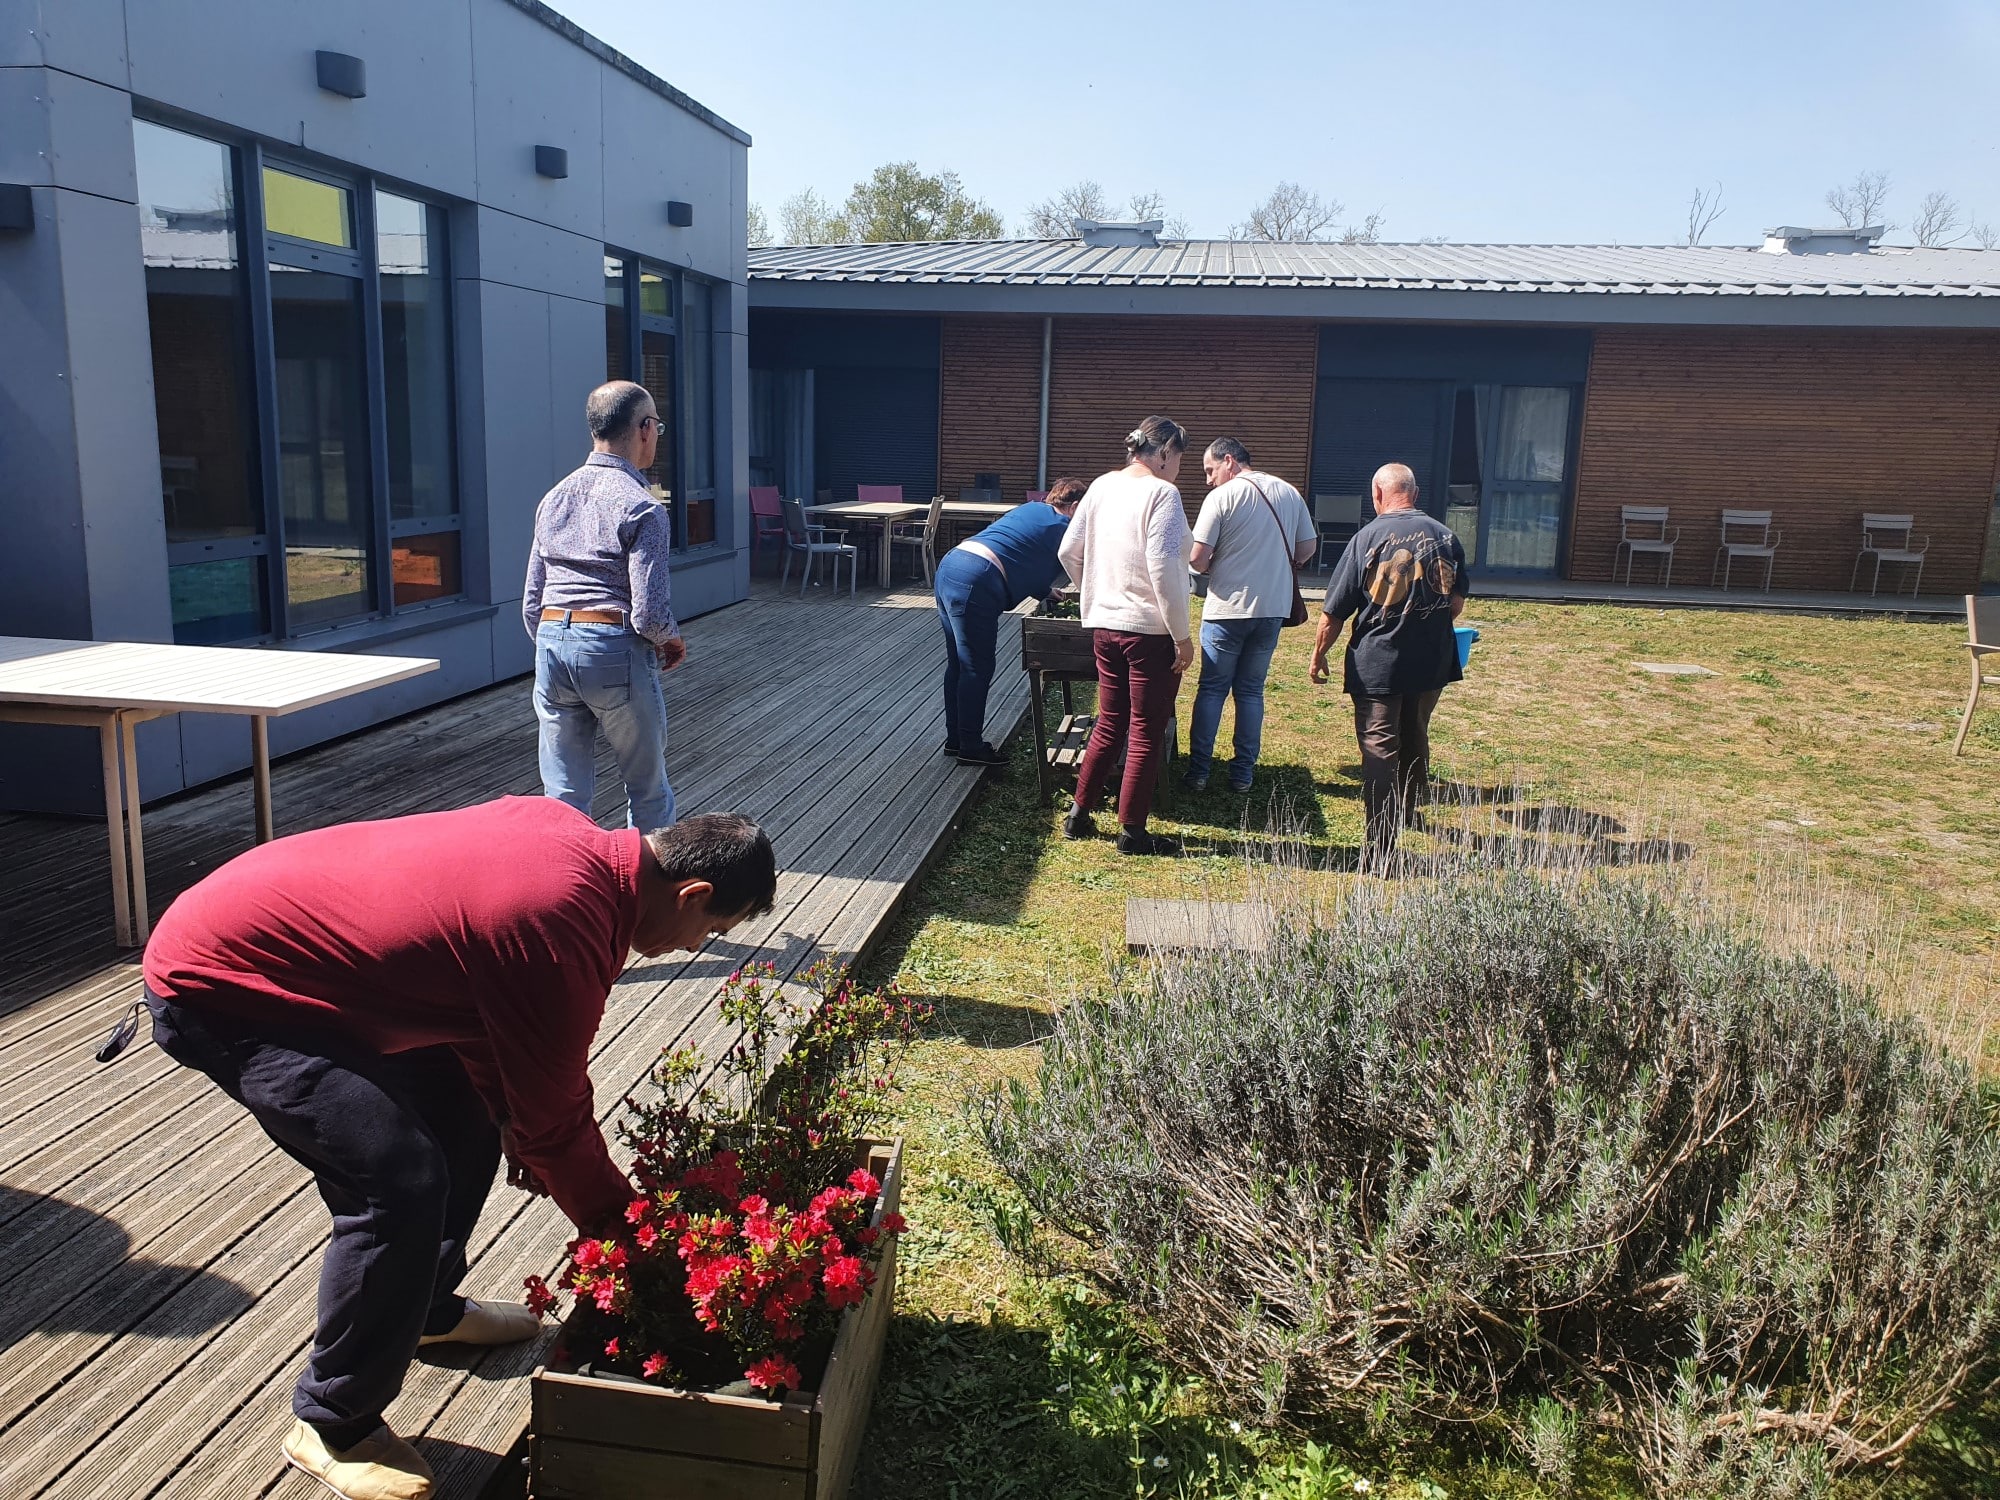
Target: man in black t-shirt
[1402,580]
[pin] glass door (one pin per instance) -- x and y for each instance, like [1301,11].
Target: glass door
[1510,483]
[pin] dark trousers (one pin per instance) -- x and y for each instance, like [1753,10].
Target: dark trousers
[971,598]
[1136,683]
[1395,737]
[403,1152]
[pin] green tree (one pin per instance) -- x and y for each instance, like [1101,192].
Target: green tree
[758,227]
[899,202]
[805,218]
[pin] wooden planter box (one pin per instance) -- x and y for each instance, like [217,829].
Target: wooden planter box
[1056,645]
[607,1440]
[1060,650]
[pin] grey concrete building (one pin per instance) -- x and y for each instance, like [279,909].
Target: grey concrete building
[298,307]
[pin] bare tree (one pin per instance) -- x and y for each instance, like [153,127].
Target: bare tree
[1147,206]
[759,227]
[1939,220]
[1290,213]
[1054,218]
[1704,208]
[1988,235]
[805,218]
[1860,202]
[1367,232]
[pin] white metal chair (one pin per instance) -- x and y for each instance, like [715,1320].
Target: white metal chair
[1982,630]
[1888,539]
[801,536]
[922,535]
[1746,533]
[1643,528]
[1336,518]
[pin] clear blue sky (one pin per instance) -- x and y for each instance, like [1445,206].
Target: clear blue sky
[1507,120]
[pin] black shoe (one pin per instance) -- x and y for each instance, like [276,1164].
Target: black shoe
[1142,842]
[983,755]
[948,748]
[1078,825]
[1195,783]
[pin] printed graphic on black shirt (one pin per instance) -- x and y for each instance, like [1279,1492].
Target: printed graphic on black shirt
[1396,582]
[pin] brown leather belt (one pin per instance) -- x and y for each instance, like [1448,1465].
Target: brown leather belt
[585,616]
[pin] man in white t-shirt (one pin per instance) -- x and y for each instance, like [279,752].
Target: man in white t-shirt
[1254,530]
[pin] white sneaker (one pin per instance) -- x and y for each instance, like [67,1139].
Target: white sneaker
[379,1467]
[490,1323]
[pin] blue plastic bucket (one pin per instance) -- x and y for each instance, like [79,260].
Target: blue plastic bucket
[1466,636]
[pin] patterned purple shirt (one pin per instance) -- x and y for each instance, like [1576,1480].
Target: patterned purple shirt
[601,542]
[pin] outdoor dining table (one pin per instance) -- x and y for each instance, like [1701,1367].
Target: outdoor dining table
[112,686]
[884,511]
[986,510]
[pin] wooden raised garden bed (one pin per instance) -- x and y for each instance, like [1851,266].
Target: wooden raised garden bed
[1058,649]
[604,1439]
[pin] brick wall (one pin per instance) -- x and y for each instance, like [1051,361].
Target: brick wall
[1249,378]
[989,403]
[1814,425]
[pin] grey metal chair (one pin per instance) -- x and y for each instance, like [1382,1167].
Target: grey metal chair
[1643,528]
[1888,539]
[1982,630]
[1746,533]
[802,536]
[920,535]
[1336,518]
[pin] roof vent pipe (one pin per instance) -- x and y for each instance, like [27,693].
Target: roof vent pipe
[1103,235]
[1789,239]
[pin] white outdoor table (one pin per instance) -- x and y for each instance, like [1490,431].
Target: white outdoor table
[113,686]
[885,511]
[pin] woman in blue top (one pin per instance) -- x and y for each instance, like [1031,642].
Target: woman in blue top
[978,581]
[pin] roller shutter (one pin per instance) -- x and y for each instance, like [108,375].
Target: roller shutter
[876,426]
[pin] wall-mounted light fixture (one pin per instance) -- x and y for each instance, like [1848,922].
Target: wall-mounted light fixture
[342,75]
[17,207]
[679,214]
[551,161]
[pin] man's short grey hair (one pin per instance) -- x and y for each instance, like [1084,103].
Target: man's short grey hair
[1397,479]
[1229,447]
[614,408]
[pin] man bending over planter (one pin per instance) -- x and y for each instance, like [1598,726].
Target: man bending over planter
[397,1003]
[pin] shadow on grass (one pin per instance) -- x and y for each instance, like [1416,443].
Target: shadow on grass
[1960,1457]
[984,1023]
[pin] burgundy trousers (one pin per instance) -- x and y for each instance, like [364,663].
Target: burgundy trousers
[1136,684]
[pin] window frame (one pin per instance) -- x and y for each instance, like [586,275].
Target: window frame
[639,323]
[258,248]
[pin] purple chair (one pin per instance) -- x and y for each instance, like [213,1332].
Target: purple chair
[767,515]
[1034,495]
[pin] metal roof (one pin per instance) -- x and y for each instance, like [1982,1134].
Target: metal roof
[1604,270]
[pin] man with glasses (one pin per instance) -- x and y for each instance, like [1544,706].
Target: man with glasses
[599,604]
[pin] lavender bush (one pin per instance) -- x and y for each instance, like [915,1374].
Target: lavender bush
[1565,1150]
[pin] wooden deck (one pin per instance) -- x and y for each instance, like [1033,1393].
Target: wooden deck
[158,1257]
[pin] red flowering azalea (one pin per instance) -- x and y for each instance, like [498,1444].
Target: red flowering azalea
[773,1373]
[611,1348]
[655,1365]
[864,1182]
[540,1298]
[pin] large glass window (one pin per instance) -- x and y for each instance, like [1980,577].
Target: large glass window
[659,329]
[272,421]
[417,396]
[201,385]
[323,481]
[1525,494]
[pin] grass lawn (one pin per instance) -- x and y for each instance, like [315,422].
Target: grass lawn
[1816,741]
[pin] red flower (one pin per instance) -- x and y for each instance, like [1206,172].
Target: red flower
[635,1210]
[864,1182]
[655,1364]
[647,1237]
[611,1348]
[846,1281]
[605,1294]
[540,1298]
[753,1205]
[589,1255]
[894,1223]
[759,1230]
[773,1373]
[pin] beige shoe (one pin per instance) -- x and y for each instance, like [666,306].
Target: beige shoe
[379,1467]
[490,1323]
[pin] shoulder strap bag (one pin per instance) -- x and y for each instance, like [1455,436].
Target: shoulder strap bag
[1299,612]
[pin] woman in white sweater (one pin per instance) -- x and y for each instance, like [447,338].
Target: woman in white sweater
[1127,550]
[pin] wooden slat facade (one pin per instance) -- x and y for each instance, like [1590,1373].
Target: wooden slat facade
[158,1257]
[989,406]
[1814,425]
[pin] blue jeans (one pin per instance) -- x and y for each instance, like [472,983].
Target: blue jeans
[971,598]
[592,677]
[1235,658]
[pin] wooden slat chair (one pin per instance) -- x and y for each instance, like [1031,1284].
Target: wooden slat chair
[1337,518]
[1982,630]
[920,535]
[1643,528]
[813,542]
[1746,533]
[1888,539]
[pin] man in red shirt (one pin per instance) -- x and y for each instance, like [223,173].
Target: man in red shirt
[396,1003]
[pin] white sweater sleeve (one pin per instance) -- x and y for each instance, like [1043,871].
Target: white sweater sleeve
[1166,561]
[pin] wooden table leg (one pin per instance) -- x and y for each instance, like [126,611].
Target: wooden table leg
[114,831]
[260,774]
[1042,775]
[142,920]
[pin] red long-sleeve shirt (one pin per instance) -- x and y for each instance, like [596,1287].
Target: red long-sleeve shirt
[497,930]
